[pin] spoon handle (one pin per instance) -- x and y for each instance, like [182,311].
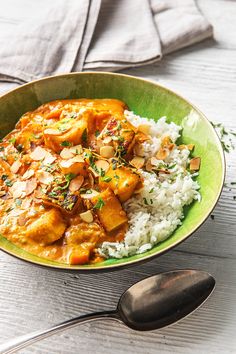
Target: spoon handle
[18,343]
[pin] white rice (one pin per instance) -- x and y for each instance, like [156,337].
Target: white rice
[157,210]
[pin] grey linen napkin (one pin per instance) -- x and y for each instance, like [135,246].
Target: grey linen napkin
[38,40]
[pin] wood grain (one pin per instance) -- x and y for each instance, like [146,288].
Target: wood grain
[33,298]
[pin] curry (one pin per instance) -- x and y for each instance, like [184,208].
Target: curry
[66,170]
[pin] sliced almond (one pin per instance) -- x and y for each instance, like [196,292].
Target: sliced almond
[17,189]
[182,147]
[38,154]
[190,147]
[89,195]
[38,194]
[149,166]
[26,203]
[137,162]
[194,164]
[162,154]
[78,158]
[66,154]
[144,128]
[102,165]
[17,212]
[107,140]
[107,151]
[91,180]
[49,159]
[139,150]
[15,166]
[68,163]
[29,173]
[77,149]
[31,185]
[51,131]
[76,183]
[22,220]
[154,161]
[44,177]
[95,173]
[87,216]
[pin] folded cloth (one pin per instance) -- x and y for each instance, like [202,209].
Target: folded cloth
[38,40]
[125,37]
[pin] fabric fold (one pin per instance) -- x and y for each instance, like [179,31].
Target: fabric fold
[49,43]
[41,38]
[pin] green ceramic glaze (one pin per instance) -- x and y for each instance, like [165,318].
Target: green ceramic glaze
[147,99]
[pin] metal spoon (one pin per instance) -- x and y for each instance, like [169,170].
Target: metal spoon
[152,303]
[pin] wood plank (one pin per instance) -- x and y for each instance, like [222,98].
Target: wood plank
[33,297]
[66,295]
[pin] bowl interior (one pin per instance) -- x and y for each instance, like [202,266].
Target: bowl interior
[148,100]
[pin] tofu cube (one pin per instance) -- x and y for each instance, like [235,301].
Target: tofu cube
[48,228]
[76,132]
[122,181]
[109,210]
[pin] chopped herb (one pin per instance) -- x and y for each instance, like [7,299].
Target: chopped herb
[233,183]
[212,216]
[172,166]
[116,176]
[145,201]
[53,194]
[18,202]
[151,190]
[106,179]
[223,131]
[234,197]
[85,136]
[216,125]
[100,203]
[97,132]
[73,115]
[36,136]
[9,209]
[224,136]
[4,177]
[66,143]
[62,128]
[114,165]
[50,168]
[118,138]
[151,201]
[85,191]
[119,126]
[8,183]
[225,146]
[102,172]
[19,148]
[69,177]
[1,148]
[12,140]
[126,184]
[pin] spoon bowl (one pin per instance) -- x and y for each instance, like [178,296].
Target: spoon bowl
[163,299]
[152,303]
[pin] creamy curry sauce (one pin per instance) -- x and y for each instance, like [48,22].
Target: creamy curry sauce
[65,173]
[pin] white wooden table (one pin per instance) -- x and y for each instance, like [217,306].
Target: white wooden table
[34,298]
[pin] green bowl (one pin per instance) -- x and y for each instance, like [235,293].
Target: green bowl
[147,99]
